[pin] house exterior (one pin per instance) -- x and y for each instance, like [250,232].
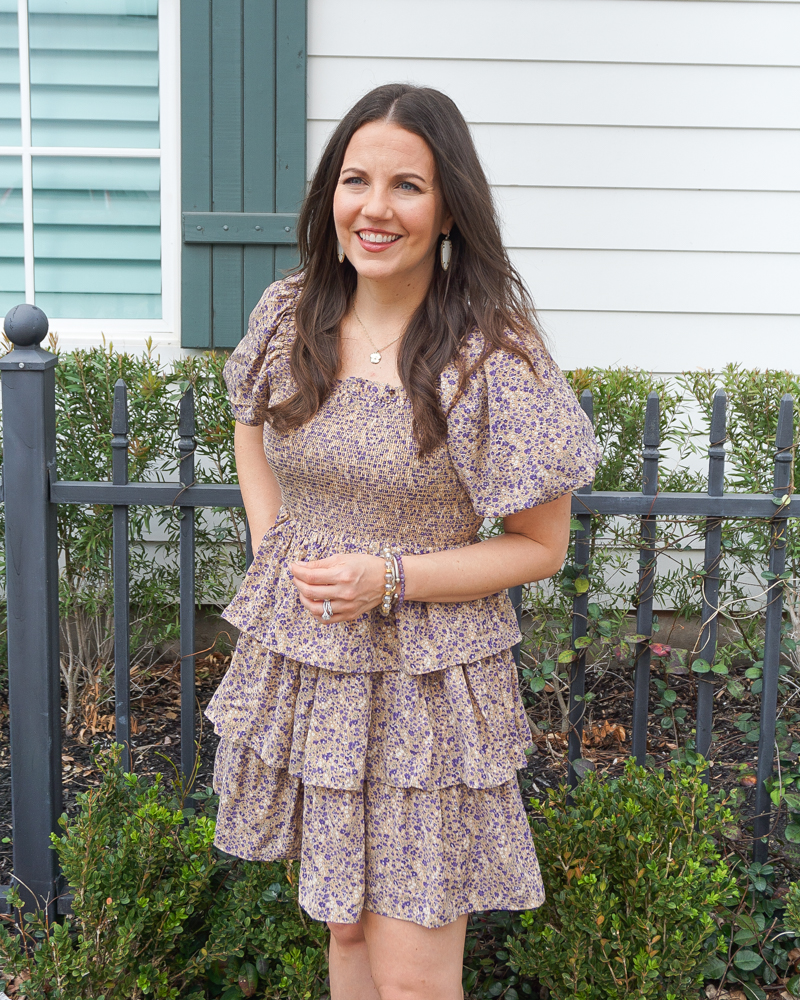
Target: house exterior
[643,153]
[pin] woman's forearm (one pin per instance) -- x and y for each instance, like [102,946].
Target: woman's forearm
[260,491]
[532,548]
[479,570]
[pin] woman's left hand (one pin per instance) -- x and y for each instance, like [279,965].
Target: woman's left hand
[353,583]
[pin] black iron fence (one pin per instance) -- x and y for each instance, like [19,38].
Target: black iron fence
[32,489]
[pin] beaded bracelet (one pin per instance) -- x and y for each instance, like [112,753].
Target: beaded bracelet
[391,580]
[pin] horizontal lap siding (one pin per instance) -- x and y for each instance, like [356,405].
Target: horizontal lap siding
[643,155]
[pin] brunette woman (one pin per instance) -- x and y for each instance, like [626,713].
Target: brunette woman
[389,397]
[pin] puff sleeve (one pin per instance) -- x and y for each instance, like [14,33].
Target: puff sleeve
[517,438]
[251,368]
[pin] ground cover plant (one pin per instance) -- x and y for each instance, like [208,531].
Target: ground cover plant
[759,948]
[634,878]
[158,912]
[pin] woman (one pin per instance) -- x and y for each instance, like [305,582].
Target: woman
[389,397]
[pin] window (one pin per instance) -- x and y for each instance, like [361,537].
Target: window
[81,179]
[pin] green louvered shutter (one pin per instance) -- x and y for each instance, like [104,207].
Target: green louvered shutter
[243,138]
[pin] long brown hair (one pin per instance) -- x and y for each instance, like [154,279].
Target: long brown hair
[480,289]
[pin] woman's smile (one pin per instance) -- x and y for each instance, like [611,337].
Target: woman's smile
[375,241]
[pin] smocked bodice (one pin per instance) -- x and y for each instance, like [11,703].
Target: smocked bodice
[353,472]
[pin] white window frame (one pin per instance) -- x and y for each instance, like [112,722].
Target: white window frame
[126,333]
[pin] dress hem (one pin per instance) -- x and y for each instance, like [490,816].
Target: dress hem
[430,922]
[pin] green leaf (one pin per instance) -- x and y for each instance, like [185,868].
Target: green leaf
[581,585]
[719,668]
[793,985]
[714,968]
[735,689]
[538,684]
[792,833]
[747,960]
[575,524]
[566,656]
[583,641]
[582,766]
[746,921]
[752,672]
[701,666]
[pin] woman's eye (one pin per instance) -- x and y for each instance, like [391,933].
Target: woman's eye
[408,186]
[353,180]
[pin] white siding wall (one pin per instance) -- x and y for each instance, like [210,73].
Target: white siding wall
[644,154]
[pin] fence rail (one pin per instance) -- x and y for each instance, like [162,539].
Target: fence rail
[32,492]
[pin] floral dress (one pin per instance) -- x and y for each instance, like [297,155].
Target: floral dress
[382,752]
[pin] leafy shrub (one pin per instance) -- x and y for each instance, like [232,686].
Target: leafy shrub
[159,912]
[633,877]
[759,942]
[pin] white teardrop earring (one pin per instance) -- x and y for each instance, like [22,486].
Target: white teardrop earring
[340,252]
[446,251]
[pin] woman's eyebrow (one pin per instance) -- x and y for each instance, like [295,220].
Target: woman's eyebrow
[405,174]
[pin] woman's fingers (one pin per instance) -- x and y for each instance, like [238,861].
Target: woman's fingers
[312,570]
[321,593]
[353,583]
[342,612]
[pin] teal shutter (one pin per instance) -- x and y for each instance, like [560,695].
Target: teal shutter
[243,83]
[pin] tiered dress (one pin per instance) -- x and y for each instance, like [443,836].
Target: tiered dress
[382,752]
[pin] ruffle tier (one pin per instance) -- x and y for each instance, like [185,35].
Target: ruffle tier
[417,638]
[462,725]
[397,791]
[424,856]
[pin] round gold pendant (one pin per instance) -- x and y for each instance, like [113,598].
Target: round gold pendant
[375,357]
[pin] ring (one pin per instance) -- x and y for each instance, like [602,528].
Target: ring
[327,610]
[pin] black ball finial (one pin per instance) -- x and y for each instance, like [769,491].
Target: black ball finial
[26,325]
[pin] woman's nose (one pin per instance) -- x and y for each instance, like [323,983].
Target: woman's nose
[377,204]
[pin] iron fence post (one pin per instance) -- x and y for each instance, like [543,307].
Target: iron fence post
[710,580]
[31,542]
[772,630]
[580,626]
[647,575]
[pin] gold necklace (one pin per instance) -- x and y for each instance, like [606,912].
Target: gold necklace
[376,356]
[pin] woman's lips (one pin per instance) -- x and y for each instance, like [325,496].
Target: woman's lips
[377,247]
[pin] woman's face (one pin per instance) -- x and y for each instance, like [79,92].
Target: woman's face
[388,208]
